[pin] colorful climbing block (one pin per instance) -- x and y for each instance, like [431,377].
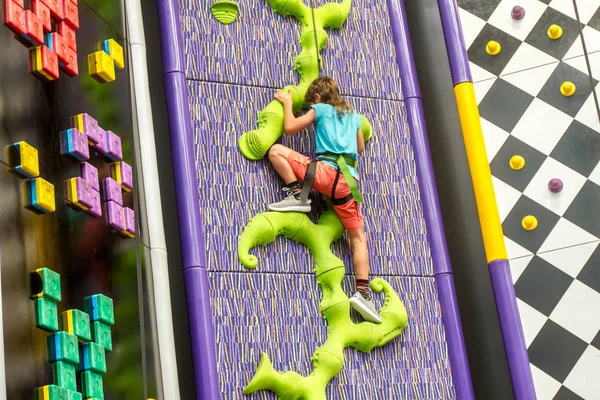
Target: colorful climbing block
[113,215]
[73,395]
[43,282]
[77,323]
[71,14]
[34,30]
[101,67]
[64,375]
[111,190]
[114,151]
[46,314]
[43,63]
[68,33]
[129,221]
[39,196]
[101,335]
[100,147]
[62,346]
[14,17]
[91,383]
[23,159]
[70,66]
[96,209]
[92,358]
[122,173]
[79,193]
[114,50]
[74,143]
[56,9]
[43,13]
[88,125]
[100,308]
[50,392]
[56,43]
[89,173]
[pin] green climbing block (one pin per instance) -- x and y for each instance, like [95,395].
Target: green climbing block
[50,392]
[77,323]
[91,384]
[100,308]
[91,358]
[73,395]
[62,346]
[64,375]
[101,334]
[43,282]
[46,314]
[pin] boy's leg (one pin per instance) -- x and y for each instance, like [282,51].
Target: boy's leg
[279,156]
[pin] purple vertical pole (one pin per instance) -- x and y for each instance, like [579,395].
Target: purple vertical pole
[186,186]
[444,278]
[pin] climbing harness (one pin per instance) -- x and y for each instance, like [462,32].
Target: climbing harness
[342,162]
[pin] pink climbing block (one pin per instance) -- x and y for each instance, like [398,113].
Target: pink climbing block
[113,213]
[129,218]
[114,151]
[112,191]
[74,143]
[96,209]
[89,173]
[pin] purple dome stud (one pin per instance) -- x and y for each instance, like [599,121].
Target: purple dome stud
[517,12]
[555,185]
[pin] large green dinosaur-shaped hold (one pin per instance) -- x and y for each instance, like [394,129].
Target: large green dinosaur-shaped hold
[335,307]
[255,144]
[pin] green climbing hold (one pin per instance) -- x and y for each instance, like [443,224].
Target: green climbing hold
[224,11]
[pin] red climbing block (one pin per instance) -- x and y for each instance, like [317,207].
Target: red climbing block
[71,67]
[71,14]
[56,43]
[43,12]
[56,8]
[43,63]
[68,34]
[14,16]
[34,31]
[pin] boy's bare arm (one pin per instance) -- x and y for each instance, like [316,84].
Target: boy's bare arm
[291,124]
[360,141]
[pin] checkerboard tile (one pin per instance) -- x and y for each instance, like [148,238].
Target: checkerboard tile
[556,267]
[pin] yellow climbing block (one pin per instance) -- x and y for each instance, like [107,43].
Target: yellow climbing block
[101,67]
[23,159]
[114,50]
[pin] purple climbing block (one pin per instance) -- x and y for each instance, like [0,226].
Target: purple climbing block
[100,147]
[112,191]
[113,213]
[89,173]
[126,176]
[79,192]
[96,209]
[89,126]
[74,143]
[114,152]
[129,218]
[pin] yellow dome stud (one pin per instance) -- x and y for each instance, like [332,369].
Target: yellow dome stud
[555,32]
[568,89]
[529,223]
[493,48]
[517,162]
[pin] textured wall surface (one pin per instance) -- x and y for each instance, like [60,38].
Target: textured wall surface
[232,73]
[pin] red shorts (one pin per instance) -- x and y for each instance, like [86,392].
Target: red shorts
[349,213]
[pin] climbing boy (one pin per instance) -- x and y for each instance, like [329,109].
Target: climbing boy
[339,140]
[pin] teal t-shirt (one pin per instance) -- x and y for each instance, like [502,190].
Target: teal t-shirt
[336,135]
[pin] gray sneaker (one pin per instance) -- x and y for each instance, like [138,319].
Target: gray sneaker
[290,203]
[366,308]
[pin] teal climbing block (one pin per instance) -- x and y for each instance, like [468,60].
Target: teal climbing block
[43,282]
[64,375]
[46,314]
[91,358]
[91,384]
[62,346]
[72,395]
[50,392]
[100,308]
[77,323]
[101,334]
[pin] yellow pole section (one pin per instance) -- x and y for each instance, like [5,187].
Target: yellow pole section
[489,219]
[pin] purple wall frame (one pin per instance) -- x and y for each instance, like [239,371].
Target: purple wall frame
[444,278]
[193,244]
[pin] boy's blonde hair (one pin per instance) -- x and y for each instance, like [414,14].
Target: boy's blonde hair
[329,92]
